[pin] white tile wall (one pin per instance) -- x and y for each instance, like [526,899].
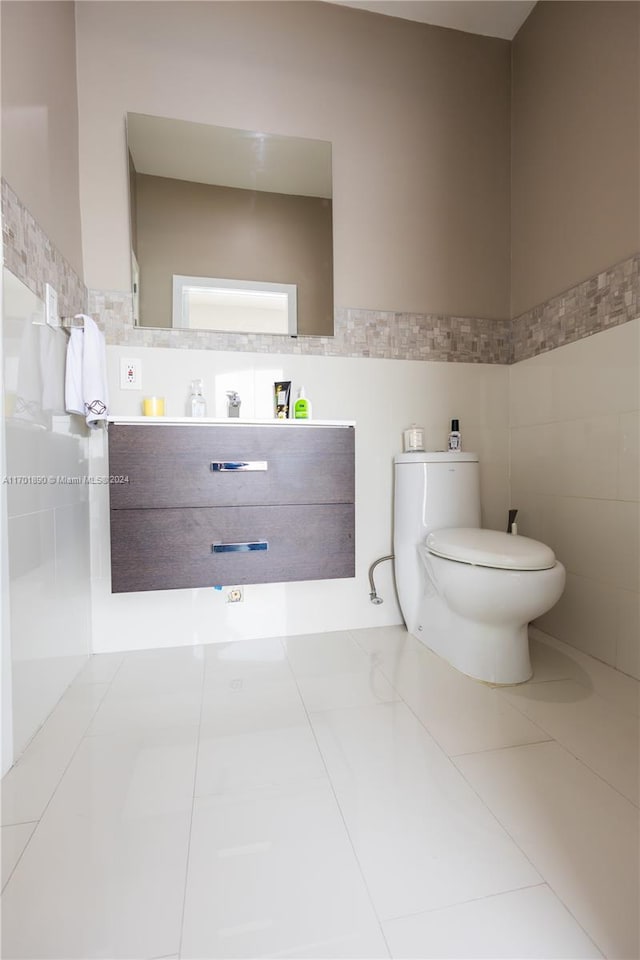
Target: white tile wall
[383,397]
[574,432]
[47,522]
[6,707]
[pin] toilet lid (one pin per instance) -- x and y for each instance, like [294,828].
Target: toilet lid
[490,548]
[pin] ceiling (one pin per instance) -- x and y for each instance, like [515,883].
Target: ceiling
[246,159]
[490,18]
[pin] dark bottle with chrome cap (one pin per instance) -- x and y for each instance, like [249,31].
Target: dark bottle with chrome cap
[455,440]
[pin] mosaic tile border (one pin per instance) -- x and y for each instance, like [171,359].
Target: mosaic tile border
[31,256]
[358,333]
[605,300]
[609,298]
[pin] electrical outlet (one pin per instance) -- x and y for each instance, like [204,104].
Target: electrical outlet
[130,375]
[235,595]
[51,305]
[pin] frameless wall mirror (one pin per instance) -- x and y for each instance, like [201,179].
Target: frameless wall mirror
[230,229]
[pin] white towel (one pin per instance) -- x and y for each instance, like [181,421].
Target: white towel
[86,379]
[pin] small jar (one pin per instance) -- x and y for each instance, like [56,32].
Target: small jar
[413,439]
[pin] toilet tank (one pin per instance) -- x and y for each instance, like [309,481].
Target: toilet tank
[431,491]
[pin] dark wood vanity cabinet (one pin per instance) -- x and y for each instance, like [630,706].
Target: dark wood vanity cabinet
[225,504]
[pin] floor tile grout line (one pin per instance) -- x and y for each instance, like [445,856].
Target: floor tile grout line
[548,738]
[612,674]
[482,801]
[320,711]
[94,683]
[338,805]
[491,896]
[472,788]
[462,903]
[609,704]
[81,739]
[302,724]
[551,738]
[580,760]
[437,742]
[35,826]
[544,880]
[193,800]
[505,746]
[378,665]
[615,674]
[524,853]
[35,733]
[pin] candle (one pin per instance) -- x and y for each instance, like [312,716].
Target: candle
[153,406]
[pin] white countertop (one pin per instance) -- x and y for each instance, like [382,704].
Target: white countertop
[227,422]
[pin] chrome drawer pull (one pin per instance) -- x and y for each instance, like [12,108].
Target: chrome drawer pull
[239,547]
[222,466]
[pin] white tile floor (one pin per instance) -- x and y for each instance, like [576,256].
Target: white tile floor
[336,795]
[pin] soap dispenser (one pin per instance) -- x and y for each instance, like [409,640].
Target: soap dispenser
[197,403]
[302,406]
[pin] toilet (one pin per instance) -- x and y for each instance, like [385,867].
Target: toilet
[468,594]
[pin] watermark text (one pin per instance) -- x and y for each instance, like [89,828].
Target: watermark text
[57,480]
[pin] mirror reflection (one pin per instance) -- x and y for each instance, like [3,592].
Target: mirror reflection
[230,229]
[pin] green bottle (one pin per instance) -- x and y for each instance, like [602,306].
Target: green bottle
[302,407]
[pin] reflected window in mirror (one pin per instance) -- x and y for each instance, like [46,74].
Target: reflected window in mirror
[212,202]
[237,306]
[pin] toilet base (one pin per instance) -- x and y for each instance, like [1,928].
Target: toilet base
[494,653]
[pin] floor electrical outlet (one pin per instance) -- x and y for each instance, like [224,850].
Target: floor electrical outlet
[235,595]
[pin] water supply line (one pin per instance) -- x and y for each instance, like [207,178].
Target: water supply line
[373,596]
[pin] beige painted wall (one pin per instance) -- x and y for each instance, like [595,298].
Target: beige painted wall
[575,145]
[418,117]
[40,117]
[199,230]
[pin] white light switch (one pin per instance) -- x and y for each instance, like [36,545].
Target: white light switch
[130,375]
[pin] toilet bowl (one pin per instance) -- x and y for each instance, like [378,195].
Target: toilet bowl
[482,588]
[466,593]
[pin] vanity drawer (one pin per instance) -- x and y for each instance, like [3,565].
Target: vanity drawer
[170,466]
[172,548]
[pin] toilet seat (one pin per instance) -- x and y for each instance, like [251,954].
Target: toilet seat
[490,548]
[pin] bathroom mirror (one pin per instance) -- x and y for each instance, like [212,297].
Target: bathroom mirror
[231,230]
